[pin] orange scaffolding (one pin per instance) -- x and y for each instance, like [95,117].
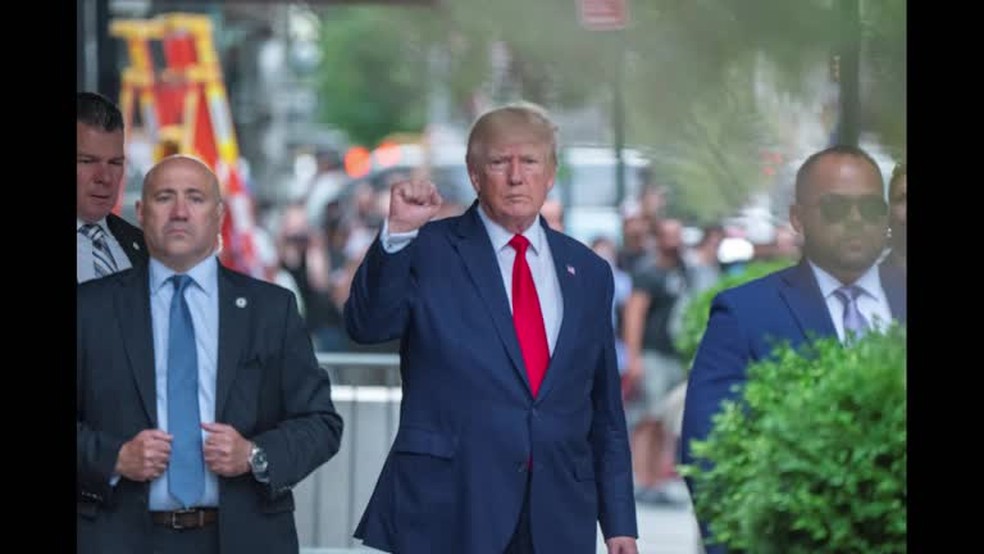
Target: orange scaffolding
[184,109]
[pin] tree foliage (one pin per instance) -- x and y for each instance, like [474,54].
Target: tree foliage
[688,73]
[373,80]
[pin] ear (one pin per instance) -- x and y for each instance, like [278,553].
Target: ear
[138,205]
[473,177]
[794,218]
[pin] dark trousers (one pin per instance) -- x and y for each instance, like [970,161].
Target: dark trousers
[522,539]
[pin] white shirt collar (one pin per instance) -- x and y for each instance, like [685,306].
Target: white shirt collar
[500,237]
[102,223]
[869,281]
[203,274]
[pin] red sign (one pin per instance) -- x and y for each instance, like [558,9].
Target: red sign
[603,15]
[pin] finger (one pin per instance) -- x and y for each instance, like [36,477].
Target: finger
[156,434]
[418,192]
[435,198]
[410,195]
[216,427]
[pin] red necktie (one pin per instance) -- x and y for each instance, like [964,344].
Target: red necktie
[527,316]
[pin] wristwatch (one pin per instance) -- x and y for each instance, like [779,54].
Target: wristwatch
[258,464]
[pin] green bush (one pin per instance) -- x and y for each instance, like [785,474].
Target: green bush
[696,312]
[814,461]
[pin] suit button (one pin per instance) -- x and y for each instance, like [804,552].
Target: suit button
[521,467]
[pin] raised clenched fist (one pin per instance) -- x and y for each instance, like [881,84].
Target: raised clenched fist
[412,203]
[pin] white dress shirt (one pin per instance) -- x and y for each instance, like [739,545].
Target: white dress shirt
[203,302]
[85,268]
[872,303]
[538,257]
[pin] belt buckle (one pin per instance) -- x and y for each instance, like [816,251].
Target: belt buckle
[177,513]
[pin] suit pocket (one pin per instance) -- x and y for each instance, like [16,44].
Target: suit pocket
[423,485]
[410,440]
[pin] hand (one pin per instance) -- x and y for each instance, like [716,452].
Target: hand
[226,451]
[412,203]
[622,545]
[145,456]
[632,378]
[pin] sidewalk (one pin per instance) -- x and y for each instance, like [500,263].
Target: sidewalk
[665,529]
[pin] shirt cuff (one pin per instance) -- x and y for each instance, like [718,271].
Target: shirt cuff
[394,242]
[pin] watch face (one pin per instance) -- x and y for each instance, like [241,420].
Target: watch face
[258,459]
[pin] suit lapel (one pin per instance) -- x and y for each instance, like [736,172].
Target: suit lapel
[805,301]
[132,307]
[124,238]
[893,283]
[235,312]
[569,291]
[475,249]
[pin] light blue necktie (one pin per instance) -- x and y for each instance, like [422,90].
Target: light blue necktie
[186,470]
[854,320]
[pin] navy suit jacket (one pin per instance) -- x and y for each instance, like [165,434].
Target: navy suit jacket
[269,387]
[455,477]
[745,323]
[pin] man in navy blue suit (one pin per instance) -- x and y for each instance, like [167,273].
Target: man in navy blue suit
[512,436]
[837,289]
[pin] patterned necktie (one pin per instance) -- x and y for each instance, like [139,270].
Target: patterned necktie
[186,469]
[527,316]
[102,258]
[854,320]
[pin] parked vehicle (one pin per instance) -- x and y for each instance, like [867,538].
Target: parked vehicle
[587,187]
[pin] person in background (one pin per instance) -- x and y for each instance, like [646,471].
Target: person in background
[702,261]
[659,284]
[553,212]
[304,254]
[105,242]
[606,249]
[836,290]
[897,188]
[200,403]
[512,436]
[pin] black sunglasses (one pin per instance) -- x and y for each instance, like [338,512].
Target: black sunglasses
[836,207]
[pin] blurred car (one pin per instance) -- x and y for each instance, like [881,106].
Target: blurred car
[586,184]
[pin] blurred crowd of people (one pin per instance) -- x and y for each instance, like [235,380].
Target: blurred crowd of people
[313,245]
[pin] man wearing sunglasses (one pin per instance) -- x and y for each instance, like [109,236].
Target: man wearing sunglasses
[837,288]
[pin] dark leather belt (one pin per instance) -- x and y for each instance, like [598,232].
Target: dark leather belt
[195,518]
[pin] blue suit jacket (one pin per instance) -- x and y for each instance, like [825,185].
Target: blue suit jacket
[744,324]
[455,476]
[269,387]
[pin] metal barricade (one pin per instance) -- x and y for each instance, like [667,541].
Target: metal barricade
[366,393]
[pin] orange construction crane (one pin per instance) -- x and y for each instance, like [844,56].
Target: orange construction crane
[191,105]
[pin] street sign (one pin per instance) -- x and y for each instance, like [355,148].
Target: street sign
[603,15]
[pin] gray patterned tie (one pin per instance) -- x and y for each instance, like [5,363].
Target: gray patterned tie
[101,256]
[854,320]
